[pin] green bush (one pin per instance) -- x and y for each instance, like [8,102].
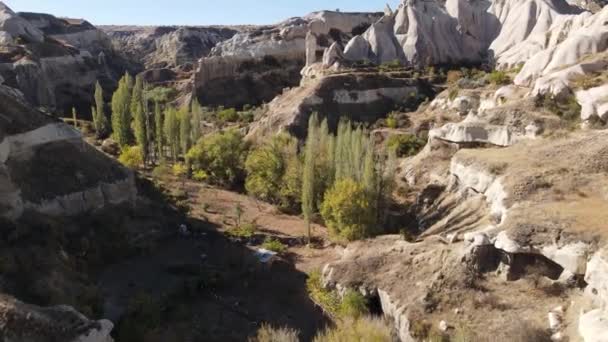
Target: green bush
[498,77]
[274,245]
[221,156]
[390,66]
[391,122]
[405,145]
[269,175]
[347,210]
[567,108]
[228,115]
[353,305]
[243,231]
[131,157]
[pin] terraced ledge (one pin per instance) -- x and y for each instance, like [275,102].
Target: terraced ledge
[19,143]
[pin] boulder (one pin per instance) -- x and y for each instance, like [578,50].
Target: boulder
[26,322]
[332,55]
[594,102]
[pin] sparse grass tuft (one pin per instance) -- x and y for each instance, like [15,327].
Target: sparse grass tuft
[269,334]
[328,300]
[353,305]
[363,329]
[243,231]
[274,245]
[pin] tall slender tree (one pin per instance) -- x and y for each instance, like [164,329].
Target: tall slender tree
[185,129]
[308,174]
[74,117]
[139,117]
[197,120]
[171,131]
[100,121]
[158,125]
[121,115]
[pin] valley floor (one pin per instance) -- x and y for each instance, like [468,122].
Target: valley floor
[207,285]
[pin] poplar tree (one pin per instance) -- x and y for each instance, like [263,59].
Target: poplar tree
[197,118]
[100,121]
[158,125]
[121,116]
[185,129]
[171,132]
[139,116]
[308,174]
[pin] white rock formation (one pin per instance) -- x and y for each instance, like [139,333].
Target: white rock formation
[594,102]
[572,257]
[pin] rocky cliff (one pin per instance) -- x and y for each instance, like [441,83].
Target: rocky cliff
[56,62]
[256,65]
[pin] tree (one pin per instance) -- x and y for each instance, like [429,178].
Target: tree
[100,121]
[347,210]
[121,115]
[139,116]
[266,167]
[74,117]
[308,174]
[221,155]
[158,125]
[185,129]
[197,120]
[171,132]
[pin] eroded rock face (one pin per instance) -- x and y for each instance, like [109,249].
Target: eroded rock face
[33,179]
[25,322]
[166,46]
[256,65]
[56,62]
[360,97]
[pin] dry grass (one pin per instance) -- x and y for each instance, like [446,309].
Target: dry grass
[364,329]
[269,334]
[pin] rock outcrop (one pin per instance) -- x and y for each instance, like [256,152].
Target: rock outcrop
[25,322]
[256,65]
[56,62]
[33,179]
[166,46]
[358,96]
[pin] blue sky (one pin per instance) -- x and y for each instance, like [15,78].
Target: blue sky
[190,12]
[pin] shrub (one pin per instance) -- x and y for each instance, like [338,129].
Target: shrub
[269,334]
[567,108]
[498,77]
[347,210]
[131,157]
[353,305]
[274,245]
[328,300]
[221,156]
[266,166]
[391,122]
[179,170]
[390,66]
[405,145]
[246,116]
[243,231]
[228,115]
[161,171]
[200,176]
[363,329]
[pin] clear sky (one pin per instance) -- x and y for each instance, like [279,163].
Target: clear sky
[190,12]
